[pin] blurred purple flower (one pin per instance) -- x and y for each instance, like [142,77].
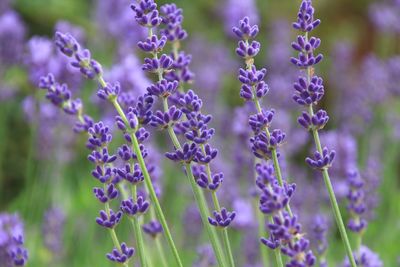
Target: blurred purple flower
[53,230]
[12,34]
[234,10]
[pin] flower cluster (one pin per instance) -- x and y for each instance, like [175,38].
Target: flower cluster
[285,230]
[357,206]
[12,251]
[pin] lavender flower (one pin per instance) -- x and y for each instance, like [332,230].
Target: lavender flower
[234,10]
[122,255]
[285,231]
[53,230]
[12,251]
[12,34]
[356,205]
[153,228]
[319,232]
[365,258]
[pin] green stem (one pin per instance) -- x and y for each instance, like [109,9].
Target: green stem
[138,232]
[150,188]
[114,235]
[161,252]
[228,246]
[202,205]
[199,197]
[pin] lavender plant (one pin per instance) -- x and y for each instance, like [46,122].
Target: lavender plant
[284,228]
[12,250]
[185,117]
[309,90]
[357,206]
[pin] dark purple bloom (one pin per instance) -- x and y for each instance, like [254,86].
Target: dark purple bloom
[109,92]
[322,161]
[146,13]
[142,109]
[245,31]
[306,49]
[99,135]
[103,174]
[253,83]
[180,68]
[156,65]
[274,198]
[317,121]
[121,256]
[260,121]
[132,208]
[305,17]
[133,175]
[222,219]
[82,60]
[163,88]
[196,128]
[109,220]
[105,195]
[262,144]
[190,102]
[308,94]
[132,121]
[66,43]
[153,228]
[203,181]
[83,126]
[101,157]
[186,154]
[172,19]
[167,119]
[246,50]
[153,44]
[265,175]
[205,157]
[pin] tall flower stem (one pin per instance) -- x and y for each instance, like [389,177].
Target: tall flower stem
[277,168]
[138,232]
[149,185]
[113,234]
[329,187]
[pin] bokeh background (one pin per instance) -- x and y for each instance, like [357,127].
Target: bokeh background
[45,176]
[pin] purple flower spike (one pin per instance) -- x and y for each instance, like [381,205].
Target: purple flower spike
[89,67]
[253,84]
[132,122]
[133,175]
[125,152]
[186,154]
[262,145]
[157,65]
[153,228]
[357,205]
[203,182]
[322,161]
[260,121]
[317,121]
[180,68]
[305,17]
[246,50]
[19,256]
[103,174]
[85,125]
[245,31]
[163,88]
[142,109]
[102,157]
[146,13]
[222,219]
[306,49]
[121,256]
[109,221]
[270,242]
[190,102]
[265,175]
[99,135]
[275,198]
[311,94]
[163,120]
[172,17]
[205,157]
[131,208]
[153,44]
[105,195]
[66,43]
[109,92]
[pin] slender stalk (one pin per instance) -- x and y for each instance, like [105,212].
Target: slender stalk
[149,186]
[159,246]
[138,232]
[274,153]
[202,205]
[113,234]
